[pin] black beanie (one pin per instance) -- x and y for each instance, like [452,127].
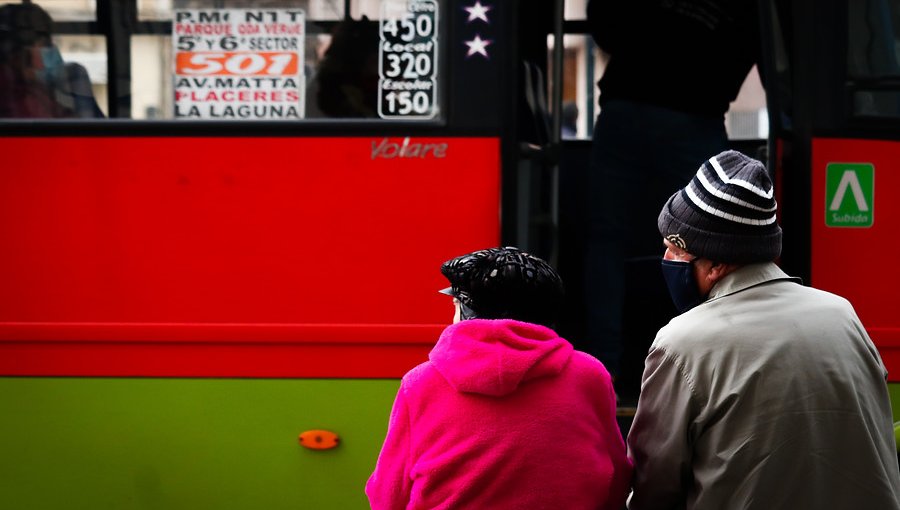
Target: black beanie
[726,213]
[505,283]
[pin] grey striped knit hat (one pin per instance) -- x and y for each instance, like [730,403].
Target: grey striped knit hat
[726,213]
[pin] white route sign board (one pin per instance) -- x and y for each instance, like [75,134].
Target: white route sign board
[239,64]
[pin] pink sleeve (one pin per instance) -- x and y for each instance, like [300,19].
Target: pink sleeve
[389,486]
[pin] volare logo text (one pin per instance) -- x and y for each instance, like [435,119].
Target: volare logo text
[389,149]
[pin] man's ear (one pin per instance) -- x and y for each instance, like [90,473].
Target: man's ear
[718,270]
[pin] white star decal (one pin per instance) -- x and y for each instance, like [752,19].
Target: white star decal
[478,45]
[477,11]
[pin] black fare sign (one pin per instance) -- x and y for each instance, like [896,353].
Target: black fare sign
[407,65]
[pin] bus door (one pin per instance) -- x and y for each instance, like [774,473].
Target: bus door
[557,39]
[834,88]
[222,225]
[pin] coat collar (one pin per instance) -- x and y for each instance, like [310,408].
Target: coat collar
[748,276]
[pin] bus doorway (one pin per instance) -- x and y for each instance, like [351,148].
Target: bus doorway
[577,65]
[821,111]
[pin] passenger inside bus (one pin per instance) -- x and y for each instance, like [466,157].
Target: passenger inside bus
[35,82]
[346,82]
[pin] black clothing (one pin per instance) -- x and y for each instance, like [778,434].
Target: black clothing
[687,55]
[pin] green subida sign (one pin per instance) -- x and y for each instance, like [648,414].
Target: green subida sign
[850,195]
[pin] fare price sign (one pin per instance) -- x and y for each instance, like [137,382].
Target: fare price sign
[239,64]
[407,68]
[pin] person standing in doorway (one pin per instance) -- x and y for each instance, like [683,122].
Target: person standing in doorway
[674,66]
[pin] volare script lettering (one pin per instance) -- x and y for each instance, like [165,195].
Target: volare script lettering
[387,149]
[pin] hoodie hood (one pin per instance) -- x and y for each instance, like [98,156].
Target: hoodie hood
[494,357]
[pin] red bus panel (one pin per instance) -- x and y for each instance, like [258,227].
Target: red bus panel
[258,257]
[854,253]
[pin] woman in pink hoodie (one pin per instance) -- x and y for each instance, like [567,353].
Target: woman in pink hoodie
[505,414]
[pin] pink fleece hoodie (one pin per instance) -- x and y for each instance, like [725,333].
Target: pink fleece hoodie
[504,415]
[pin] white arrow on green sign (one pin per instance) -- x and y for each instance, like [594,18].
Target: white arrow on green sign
[850,195]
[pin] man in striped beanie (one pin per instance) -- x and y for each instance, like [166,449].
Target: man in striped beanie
[725,215]
[762,393]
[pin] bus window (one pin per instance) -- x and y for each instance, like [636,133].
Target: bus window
[71,10]
[747,117]
[88,52]
[35,80]
[583,64]
[228,60]
[872,57]
[776,36]
[151,97]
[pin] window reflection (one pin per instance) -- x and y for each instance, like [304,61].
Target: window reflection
[35,79]
[872,49]
[873,56]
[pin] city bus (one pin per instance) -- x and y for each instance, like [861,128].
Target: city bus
[222,221]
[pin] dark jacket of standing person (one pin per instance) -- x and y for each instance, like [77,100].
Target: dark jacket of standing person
[673,68]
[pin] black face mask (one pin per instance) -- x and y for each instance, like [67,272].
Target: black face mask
[679,276]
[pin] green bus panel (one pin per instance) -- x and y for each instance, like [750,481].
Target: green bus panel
[894,390]
[90,443]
